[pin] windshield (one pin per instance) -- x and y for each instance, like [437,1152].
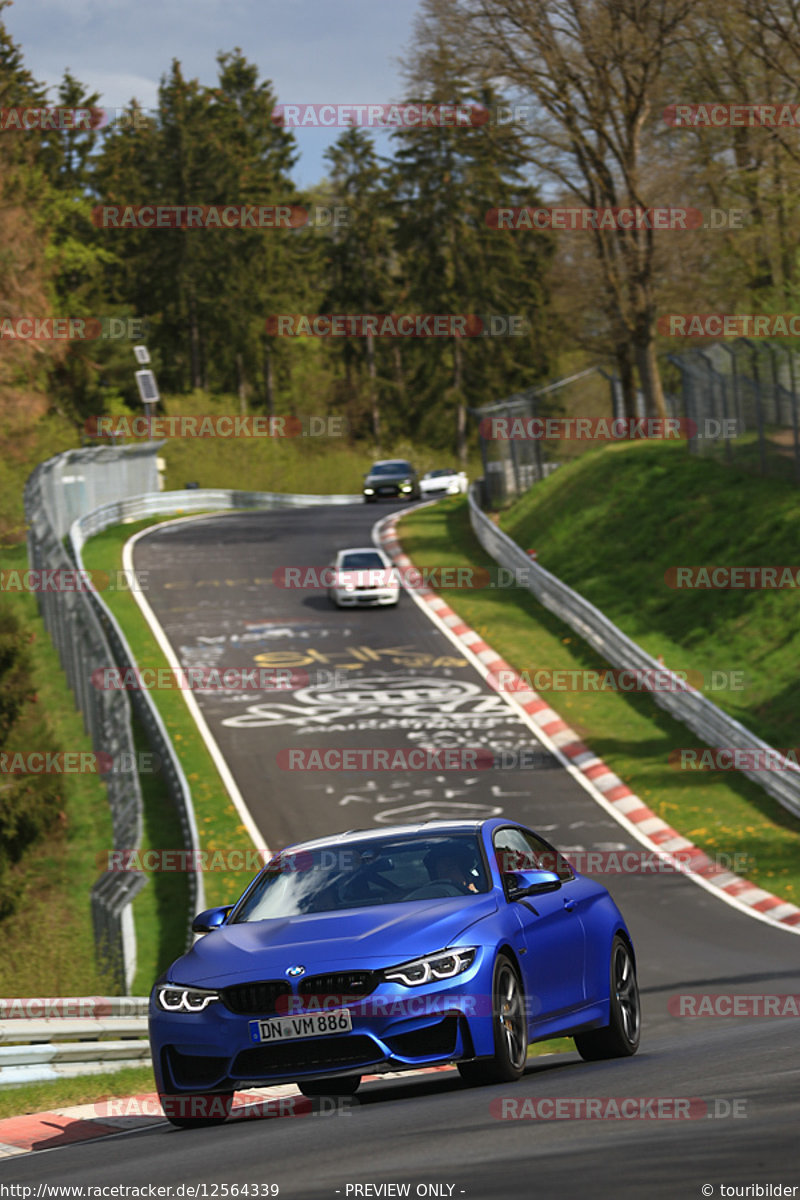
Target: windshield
[391,468]
[365,560]
[374,871]
[438,474]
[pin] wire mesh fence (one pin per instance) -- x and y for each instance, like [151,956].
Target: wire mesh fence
[741,399]
[737,403]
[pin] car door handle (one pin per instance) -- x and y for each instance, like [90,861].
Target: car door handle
[569,903]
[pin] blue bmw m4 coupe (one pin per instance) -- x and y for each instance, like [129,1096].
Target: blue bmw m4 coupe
[449,942]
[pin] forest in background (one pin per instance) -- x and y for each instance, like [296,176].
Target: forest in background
[592,79]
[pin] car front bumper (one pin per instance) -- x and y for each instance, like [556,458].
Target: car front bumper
[394,1029]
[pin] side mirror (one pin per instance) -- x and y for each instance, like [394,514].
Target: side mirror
[531,883]
[212,918]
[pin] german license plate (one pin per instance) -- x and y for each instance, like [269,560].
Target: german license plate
[284,1029]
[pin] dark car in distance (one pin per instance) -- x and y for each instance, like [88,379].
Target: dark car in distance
[393,477]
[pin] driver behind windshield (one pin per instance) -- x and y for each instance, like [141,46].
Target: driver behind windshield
[451,864]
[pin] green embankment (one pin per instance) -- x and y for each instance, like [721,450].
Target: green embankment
[611,524]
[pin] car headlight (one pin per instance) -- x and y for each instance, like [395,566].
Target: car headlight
[369,491]
[444,965]
[174,998]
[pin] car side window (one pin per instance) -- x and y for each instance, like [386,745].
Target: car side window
[513,852]
[548,858]
[518,850]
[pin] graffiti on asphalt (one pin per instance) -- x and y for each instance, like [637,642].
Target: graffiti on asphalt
[355,658]
[383,702]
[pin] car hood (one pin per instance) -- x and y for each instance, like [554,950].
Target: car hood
[372,937]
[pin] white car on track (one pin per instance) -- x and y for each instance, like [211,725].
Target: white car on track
[443,482]
[363,575]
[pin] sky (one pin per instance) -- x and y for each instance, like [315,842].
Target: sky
[313,51]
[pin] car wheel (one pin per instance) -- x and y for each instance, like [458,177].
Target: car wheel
[341,1085]
[197,1110]
[510,1031]
[620,1037]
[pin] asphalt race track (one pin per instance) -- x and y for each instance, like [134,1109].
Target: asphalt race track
[389,678]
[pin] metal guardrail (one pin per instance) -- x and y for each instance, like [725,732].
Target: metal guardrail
[109,888]
[195,500]
[77,634]
[685,703]
[136,508]
[41,1048]
[89,639]
[142,703]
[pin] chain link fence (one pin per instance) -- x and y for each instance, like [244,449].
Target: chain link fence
[739,400]
[743,401]
[510,465]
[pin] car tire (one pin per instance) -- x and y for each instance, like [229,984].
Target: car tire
[340,1085]
[620,1038]
[220,1104]
[510,1031]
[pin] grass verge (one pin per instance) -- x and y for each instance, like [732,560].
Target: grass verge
[54,877]
[87,1089]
